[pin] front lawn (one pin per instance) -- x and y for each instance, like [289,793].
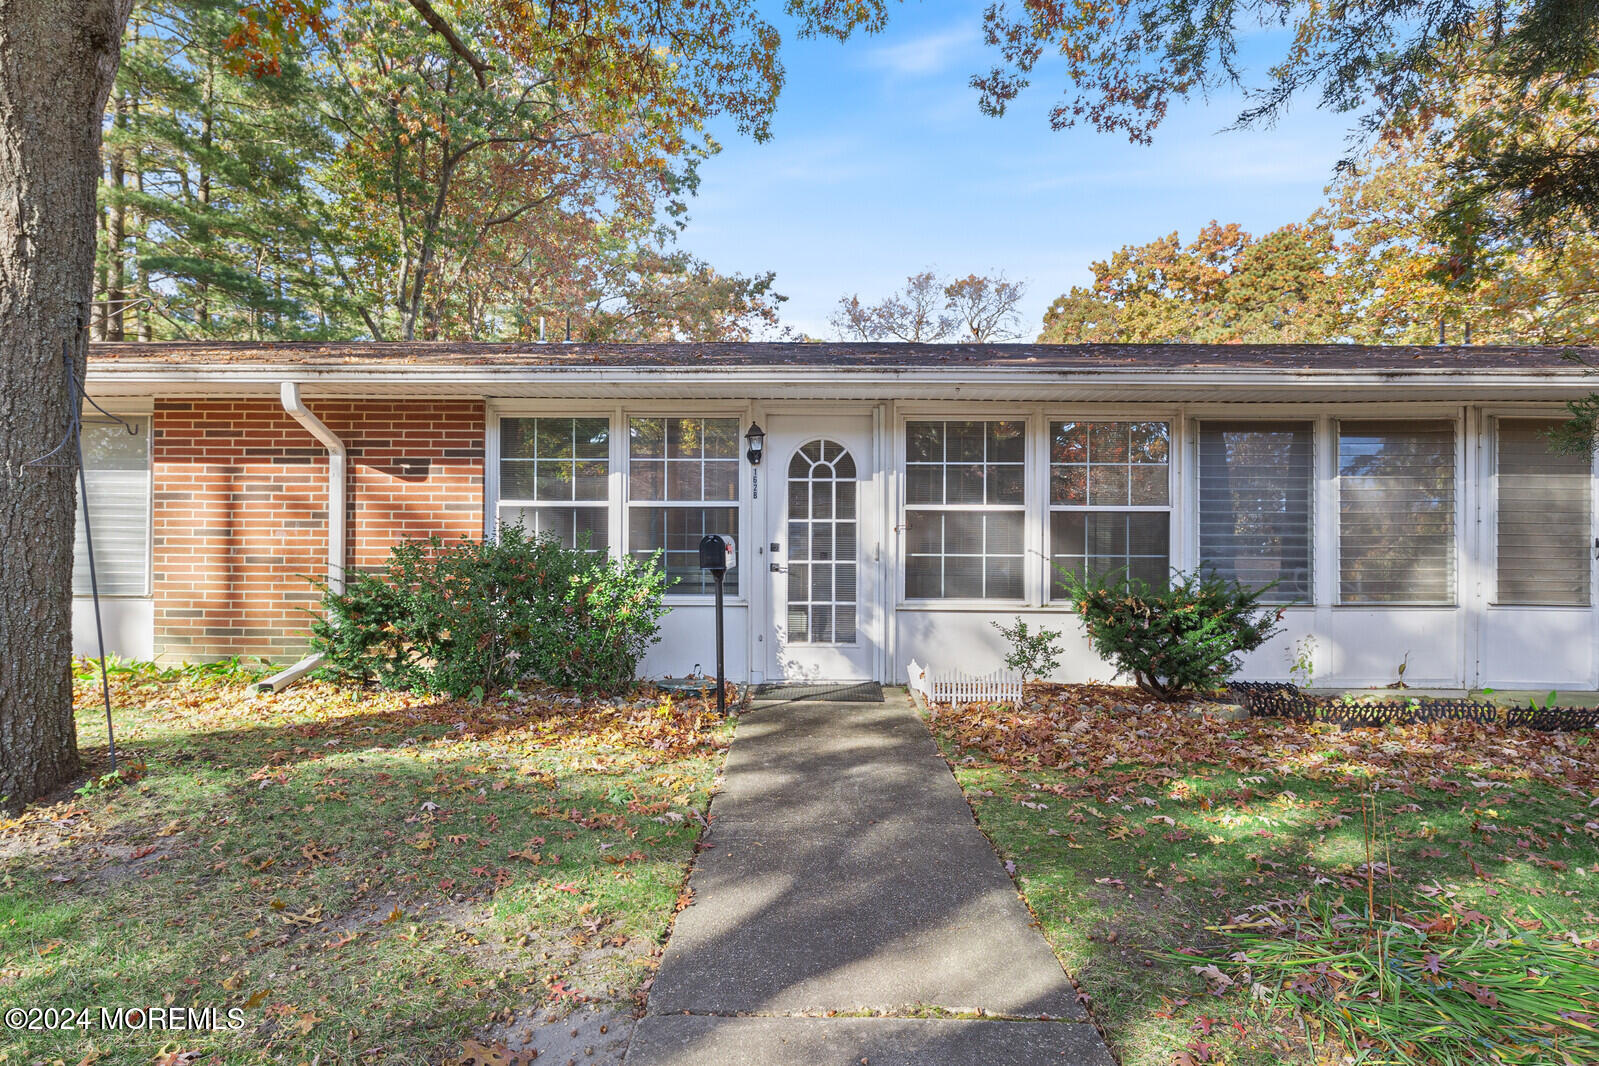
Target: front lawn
[368,877]
[1137,832]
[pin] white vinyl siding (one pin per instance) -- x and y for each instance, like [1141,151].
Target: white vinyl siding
[1255,514]
[1545,518]
[1396,512]
[116,465]
[1110,500]
[682,485]
[554,478]
[965,509]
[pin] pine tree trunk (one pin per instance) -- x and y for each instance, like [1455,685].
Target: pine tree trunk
[102,278]
[117,294]
[57,62]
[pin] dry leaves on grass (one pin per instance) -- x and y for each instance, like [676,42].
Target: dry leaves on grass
[1085,729]
[647,720]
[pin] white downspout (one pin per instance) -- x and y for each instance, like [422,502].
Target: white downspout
[337,462]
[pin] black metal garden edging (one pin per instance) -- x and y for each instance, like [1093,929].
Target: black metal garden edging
[1277,699]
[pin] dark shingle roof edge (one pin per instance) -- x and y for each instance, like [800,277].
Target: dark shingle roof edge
[776,356]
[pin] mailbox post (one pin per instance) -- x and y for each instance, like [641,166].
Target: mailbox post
[718,555]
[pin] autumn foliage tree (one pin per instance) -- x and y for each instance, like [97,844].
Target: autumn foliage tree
[295,170]
[1372,265]
[644,76]
[1224,286]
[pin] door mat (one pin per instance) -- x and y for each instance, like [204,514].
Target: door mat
[820,691]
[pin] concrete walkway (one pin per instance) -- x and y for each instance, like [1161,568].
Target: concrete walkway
[844,874]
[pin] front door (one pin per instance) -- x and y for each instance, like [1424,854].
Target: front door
[824,548]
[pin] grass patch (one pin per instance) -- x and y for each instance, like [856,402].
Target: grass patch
[371,877]
[1448,989]
[1138,836]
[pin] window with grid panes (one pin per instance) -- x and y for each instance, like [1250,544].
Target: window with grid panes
[682,485]
[555,478]
[1110,500]
[965,509]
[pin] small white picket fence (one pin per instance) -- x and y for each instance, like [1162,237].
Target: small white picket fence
[954,687]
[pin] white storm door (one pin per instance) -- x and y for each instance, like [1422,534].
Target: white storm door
[826,614]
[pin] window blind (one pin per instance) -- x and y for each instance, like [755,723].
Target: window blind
[1396,512]
[1255,492]
[1545,518]
[116,465]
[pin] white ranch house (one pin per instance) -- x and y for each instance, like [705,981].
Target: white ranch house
[1403,499]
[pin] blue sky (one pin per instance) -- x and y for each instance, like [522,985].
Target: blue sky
[881,165]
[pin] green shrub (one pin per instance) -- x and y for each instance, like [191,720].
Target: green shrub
[1033,654]
[477,616]
[1183,637]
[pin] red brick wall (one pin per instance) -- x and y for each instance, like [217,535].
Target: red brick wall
[240,517]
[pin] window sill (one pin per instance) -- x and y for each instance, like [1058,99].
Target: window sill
[967,605]
[696,599]
[1541,606]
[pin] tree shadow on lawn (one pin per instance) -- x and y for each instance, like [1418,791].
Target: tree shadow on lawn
[370,900]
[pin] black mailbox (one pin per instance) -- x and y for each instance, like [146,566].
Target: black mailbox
[717,552]
[718,555]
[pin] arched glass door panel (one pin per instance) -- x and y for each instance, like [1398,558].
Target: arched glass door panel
[822,537]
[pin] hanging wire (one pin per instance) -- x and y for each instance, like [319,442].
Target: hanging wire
[76,396]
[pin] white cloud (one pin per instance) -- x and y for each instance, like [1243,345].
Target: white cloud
[928,54]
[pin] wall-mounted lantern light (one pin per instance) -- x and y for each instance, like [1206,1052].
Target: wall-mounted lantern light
[756,438]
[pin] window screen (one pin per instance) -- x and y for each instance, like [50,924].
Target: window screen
[682,485]
[116,466]
[555,478]
[1545,518]
[965,497]
[1396,512]
[1255,485]
[1109,498]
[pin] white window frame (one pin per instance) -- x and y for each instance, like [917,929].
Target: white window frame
[1491,417]
[492,524]
[618,502]
[146,413]
[1173,426]
[702,411]
[1318,419]
[1029,418]
[1454,416]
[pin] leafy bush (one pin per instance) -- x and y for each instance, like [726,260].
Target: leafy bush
[1172,640]
[1033,654]
[477,616]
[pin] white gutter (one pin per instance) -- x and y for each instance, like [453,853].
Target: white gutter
[337,465]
